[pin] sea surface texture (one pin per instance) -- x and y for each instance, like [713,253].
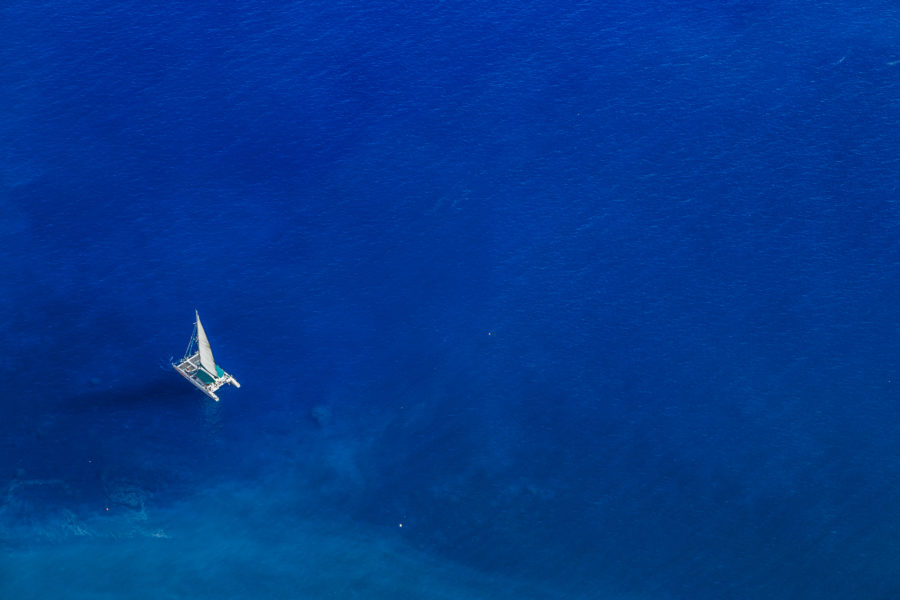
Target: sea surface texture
[534,299]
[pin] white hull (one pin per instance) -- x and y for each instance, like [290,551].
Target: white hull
[189,368]
[197,384]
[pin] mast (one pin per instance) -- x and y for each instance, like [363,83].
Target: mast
[206,355]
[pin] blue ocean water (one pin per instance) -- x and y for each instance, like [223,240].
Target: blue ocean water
[527,300]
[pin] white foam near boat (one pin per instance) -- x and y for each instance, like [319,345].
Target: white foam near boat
[199,367]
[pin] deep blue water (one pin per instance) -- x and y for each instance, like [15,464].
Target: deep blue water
[596,300]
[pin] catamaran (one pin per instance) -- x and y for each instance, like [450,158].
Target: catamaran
[199,367]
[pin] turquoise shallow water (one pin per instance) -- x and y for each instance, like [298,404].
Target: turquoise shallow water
[236,544]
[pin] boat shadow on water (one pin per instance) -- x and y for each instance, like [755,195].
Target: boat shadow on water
[162,392]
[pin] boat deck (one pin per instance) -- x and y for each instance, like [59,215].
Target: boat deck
[190,369]
[191,365]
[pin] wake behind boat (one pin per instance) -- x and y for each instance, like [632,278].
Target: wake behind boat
[199,367]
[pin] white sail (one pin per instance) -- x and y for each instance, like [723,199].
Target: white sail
[206,357]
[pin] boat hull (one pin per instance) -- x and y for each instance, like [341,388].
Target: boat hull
[190,369]
[198,384]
